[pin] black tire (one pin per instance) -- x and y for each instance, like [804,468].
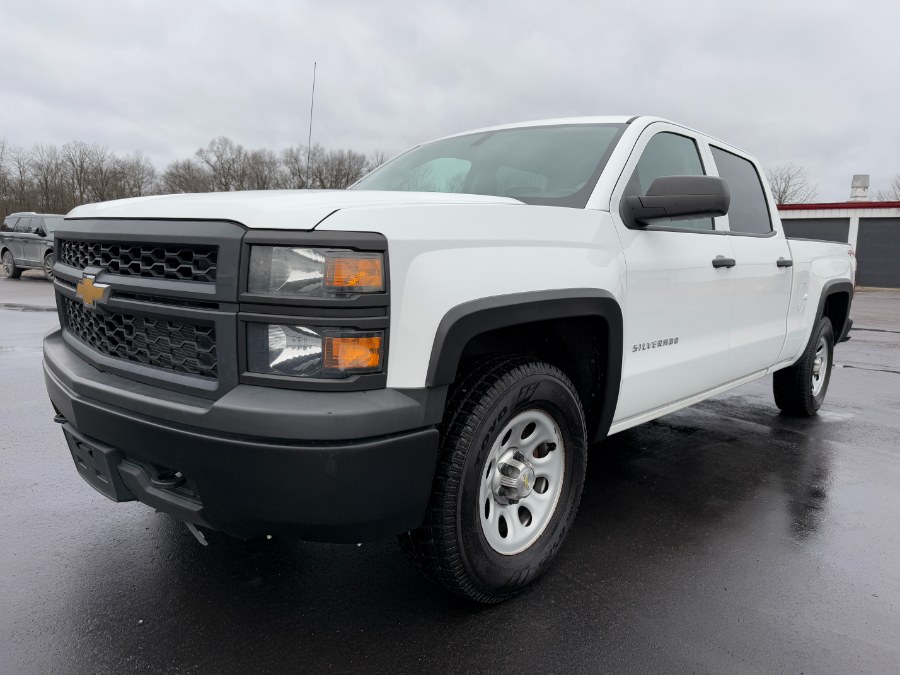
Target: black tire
[49,261]
[10,271]
[793,387]
[450,547]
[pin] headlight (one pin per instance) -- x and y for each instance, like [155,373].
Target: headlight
[301,351]
[314,272]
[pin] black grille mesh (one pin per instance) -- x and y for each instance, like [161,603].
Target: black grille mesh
[183,348]
[160,261]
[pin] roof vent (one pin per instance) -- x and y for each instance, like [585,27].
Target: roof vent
[859,188]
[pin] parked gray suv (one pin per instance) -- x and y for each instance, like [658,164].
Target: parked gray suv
[26,242]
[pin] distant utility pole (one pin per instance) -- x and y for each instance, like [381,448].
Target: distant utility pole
[312,101]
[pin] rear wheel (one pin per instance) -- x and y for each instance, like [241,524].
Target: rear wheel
[49,261]
[800,390]
[10,271]
[508,482]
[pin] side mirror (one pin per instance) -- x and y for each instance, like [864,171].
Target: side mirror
[39,231]
[679,198]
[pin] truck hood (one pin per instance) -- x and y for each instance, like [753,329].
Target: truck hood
[269,209]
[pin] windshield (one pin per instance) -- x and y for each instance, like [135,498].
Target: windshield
[50,224]
[551,165]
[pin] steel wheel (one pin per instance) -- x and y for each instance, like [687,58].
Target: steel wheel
[508,481]
[820,366]
[522,482]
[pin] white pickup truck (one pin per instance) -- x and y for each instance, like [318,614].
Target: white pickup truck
[430,353]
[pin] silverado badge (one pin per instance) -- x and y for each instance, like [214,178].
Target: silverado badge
[91,292]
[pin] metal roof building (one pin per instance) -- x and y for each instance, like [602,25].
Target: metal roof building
[871,228]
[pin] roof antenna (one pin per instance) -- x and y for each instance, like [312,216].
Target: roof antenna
[312,101]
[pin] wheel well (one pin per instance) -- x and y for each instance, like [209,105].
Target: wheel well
[837,308]
[579,346]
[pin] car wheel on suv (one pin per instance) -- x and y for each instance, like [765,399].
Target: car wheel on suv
[49,261]
[10,271]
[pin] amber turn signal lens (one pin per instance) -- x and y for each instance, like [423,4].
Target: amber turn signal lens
[353,353]
[363,273]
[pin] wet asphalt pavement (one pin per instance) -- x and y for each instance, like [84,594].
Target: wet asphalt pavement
[723,538]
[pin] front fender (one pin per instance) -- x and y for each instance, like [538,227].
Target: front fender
[442,257]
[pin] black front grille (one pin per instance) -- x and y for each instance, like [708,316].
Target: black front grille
[159,261]
[172,345]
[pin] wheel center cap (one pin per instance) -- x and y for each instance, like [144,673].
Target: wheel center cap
[513,478]
[526,482]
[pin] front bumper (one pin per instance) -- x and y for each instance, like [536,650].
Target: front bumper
[363,469]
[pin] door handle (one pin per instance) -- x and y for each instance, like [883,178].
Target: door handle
[722,261]
[784,262]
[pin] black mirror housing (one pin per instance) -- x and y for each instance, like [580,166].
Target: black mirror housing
[680,198]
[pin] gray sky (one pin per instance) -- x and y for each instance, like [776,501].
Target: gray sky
[813,82]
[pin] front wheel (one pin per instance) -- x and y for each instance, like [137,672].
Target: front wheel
[10,271]
[800,390]
[508,482]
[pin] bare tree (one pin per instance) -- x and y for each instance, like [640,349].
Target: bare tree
[186,175]
[5,196]
[263,170]
[138,176]
[376,159]
[227,164]
[104,174]
[294,168]
[21,180]
[790,185]
[892,193]
[47,174]
[77,156]
[338,169]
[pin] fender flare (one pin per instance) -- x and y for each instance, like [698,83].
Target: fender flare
[832,288]
[465,321]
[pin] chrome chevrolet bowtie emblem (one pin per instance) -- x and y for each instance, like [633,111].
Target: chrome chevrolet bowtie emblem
[91,292]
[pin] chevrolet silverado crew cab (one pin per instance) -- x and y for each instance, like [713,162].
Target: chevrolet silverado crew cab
[430,353]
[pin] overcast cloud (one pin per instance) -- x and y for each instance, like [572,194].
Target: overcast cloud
[812,82]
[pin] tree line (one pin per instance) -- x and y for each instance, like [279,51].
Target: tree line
[55,179]
[790,185]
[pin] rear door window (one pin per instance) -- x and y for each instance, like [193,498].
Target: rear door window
[24,225]
[749,210]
